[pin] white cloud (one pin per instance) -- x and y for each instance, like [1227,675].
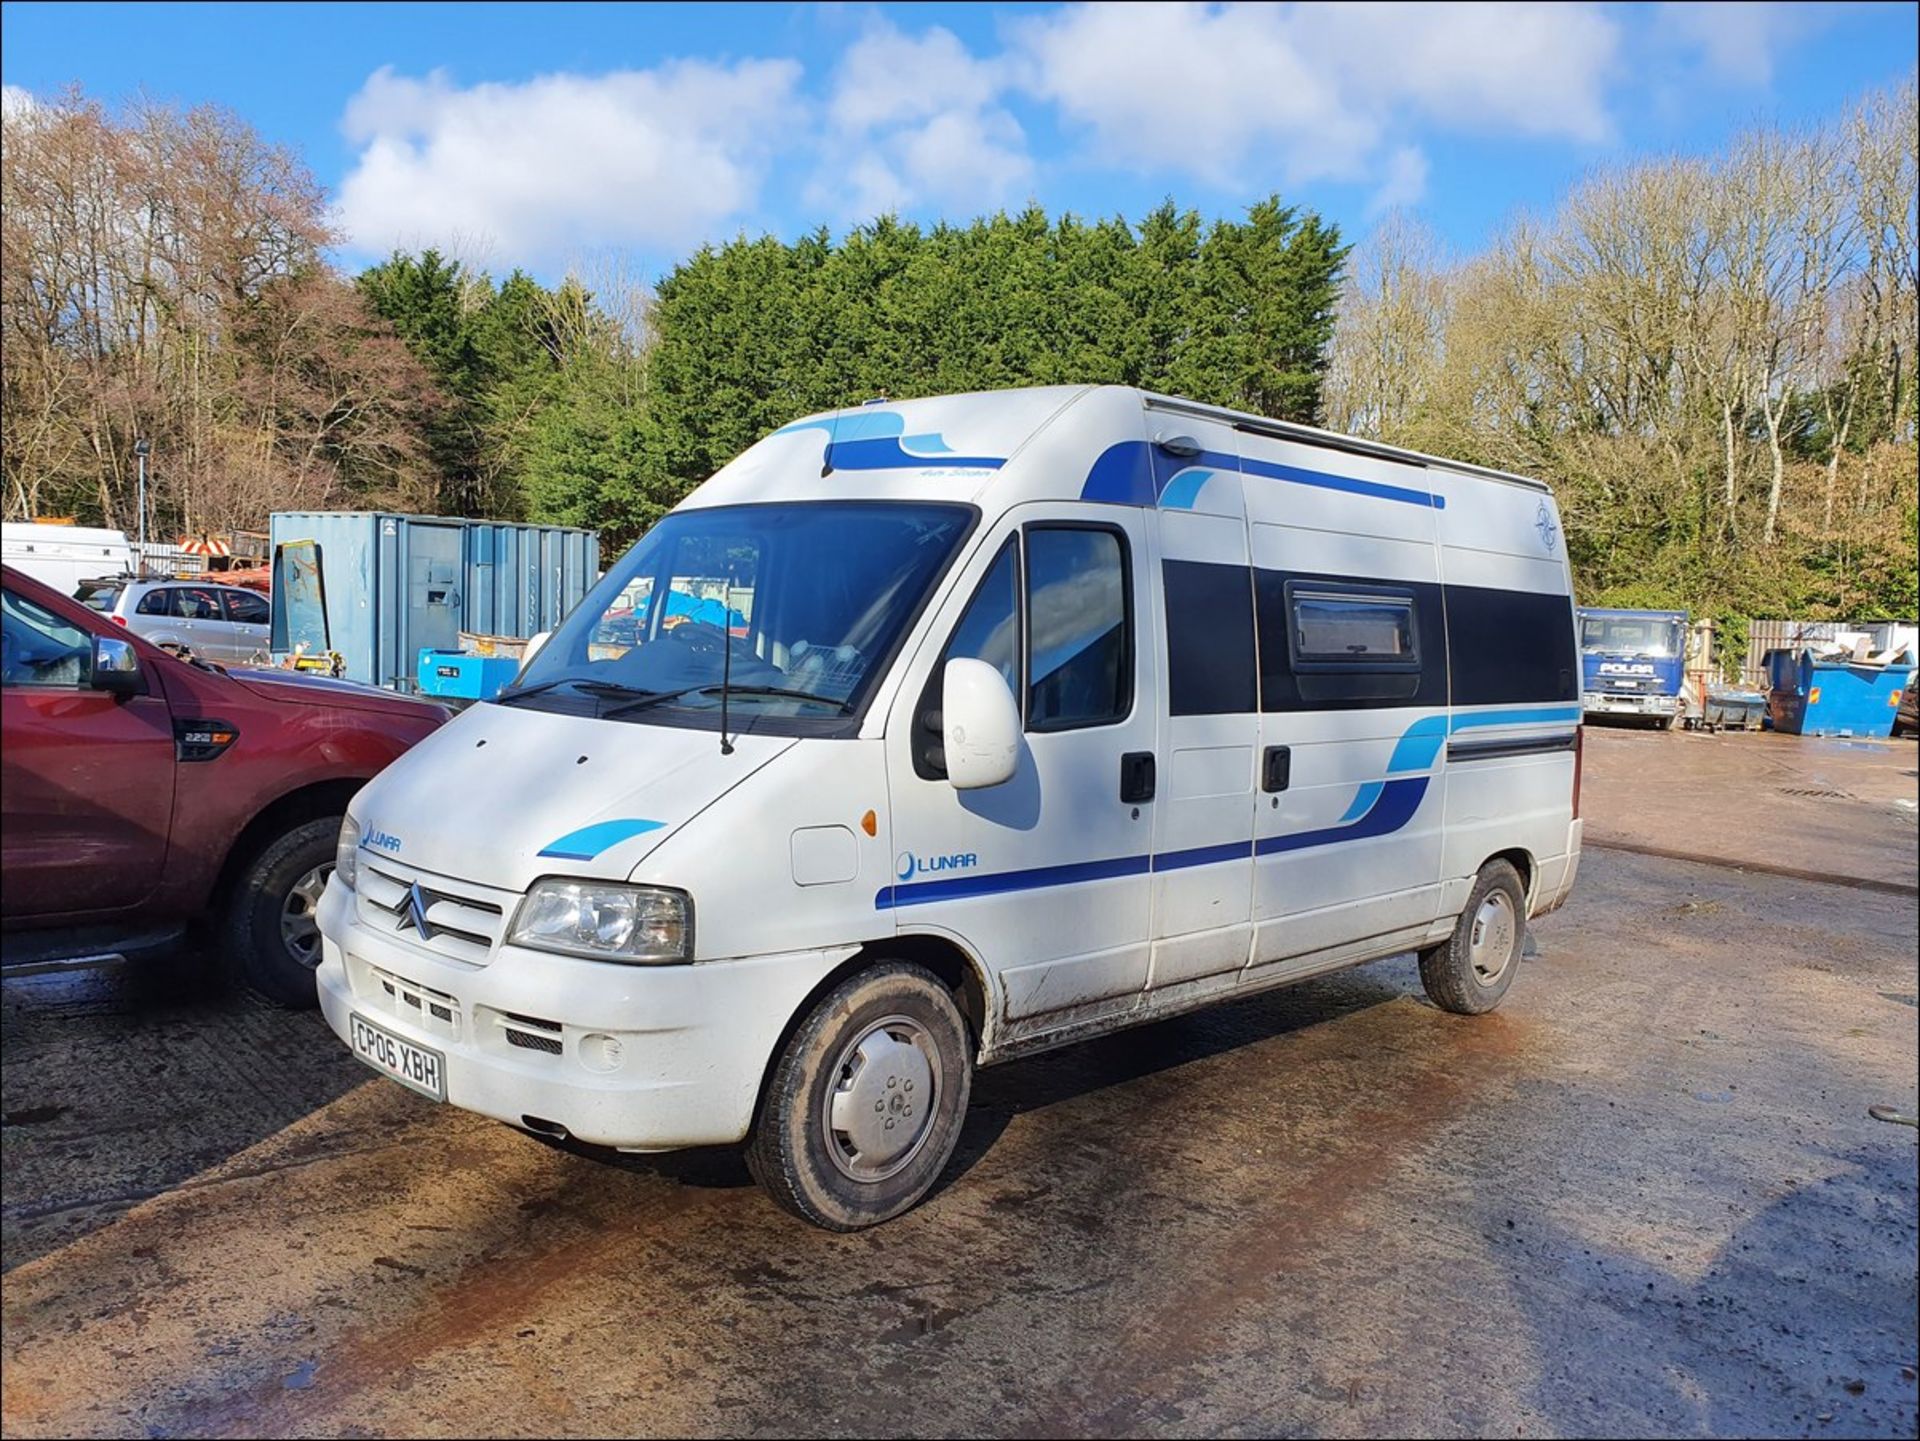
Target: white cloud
[16,102]
[1737,40]
[887,77]
[916,119]
[1241,95]
[656,157]
[1404,184]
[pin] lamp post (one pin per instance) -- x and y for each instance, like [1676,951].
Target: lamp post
[141,450]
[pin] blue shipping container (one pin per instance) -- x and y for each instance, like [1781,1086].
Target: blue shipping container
[1831,697]
[400,584]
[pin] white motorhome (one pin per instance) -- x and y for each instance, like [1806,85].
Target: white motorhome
[934,733]
[62,556]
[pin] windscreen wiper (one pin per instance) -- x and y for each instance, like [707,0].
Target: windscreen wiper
[782,693]
[593,687]
[654,698]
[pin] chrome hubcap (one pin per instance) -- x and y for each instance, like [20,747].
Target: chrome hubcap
[1496,932]
[299,916]
[879,1110]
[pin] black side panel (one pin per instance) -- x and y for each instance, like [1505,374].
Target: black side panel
[1511,646]
[1210,665]
[1282,690]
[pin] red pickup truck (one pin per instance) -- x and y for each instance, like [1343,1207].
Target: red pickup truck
[140,791]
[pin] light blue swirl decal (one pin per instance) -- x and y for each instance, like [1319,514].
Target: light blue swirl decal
[876,440]
[587,842]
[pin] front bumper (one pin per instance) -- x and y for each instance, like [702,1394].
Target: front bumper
[1596,702]
[643,1057]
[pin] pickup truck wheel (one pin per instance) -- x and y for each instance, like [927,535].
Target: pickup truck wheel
[1470,971]
[865,1103]
[270,933]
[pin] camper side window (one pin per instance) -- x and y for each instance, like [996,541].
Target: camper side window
[1079,628]
[1351,628]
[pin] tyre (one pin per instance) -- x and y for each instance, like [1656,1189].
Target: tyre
[270,933]
[1470,971]
[866,1101]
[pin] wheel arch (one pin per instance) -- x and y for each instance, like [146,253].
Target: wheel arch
[957,968]
[1522,861]
[296,807]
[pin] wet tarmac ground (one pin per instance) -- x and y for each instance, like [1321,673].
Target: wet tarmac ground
[1645,1197]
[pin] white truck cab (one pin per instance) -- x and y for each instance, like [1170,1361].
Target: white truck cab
[929,734]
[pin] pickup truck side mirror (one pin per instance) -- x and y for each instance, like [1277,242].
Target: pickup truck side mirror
[981,721]
[116,666]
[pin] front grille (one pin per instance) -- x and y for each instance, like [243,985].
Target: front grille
[528,1033]
[433,1011]
[462,922]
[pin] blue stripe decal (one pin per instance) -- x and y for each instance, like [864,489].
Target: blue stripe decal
[1363,801]
[1419,743]
[918,893]
[1378,808]
[587,842]
[1203,856]
[1125,473]
[1323,481]
[1539,715]
[1397,802]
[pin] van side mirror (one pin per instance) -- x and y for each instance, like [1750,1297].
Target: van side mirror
[532,647]
[981,721]
[116,666]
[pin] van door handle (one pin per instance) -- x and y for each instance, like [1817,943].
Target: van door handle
[1136,777]
[1276,768]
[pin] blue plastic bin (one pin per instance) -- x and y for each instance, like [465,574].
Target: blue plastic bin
[1810,697]
[455,675]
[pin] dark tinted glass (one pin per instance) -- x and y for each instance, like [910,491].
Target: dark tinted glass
[245,608]
[1511,646]
[1210,660]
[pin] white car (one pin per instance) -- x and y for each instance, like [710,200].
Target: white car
[216,622]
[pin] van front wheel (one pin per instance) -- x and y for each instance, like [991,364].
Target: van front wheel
[865,1103]
[1469,972]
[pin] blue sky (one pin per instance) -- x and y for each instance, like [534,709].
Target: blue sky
[539,135]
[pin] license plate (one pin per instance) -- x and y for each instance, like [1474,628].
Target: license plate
[415,1067]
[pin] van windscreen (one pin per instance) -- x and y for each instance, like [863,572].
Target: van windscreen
[810,598]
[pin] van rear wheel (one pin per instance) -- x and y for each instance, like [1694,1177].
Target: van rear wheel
[866,1101]
[1470,971]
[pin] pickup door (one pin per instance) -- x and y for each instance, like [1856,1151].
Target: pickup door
[87,776]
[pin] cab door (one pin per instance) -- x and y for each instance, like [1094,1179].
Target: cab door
[1047,878]
[248,615]
[199,621]
[88,776]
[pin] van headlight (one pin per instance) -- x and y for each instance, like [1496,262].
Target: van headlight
[346,851]
[641,925]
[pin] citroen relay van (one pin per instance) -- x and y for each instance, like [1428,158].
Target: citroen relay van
[930,734]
